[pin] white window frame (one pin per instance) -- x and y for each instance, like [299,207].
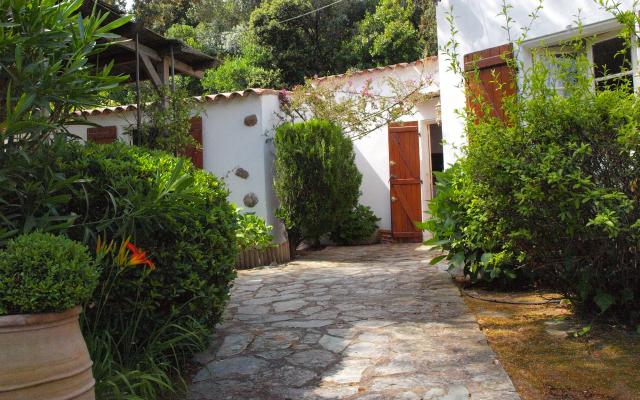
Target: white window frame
[634,59]
[593,33]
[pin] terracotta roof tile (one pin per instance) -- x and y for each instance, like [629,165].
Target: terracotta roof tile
[210,98]
[378,69]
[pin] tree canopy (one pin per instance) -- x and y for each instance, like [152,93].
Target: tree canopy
[279,43]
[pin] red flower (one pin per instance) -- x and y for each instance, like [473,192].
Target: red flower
[139,257]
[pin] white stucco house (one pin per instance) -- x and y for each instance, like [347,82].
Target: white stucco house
[233,129]
[481,37]
[397,160]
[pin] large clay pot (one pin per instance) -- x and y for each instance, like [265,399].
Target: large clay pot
[44,357]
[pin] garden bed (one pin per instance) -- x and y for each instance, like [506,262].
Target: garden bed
[545,361]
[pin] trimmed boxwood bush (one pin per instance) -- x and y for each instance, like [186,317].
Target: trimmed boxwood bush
[358,227]
[40,273]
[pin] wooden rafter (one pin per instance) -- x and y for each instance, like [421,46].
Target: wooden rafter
[156,57]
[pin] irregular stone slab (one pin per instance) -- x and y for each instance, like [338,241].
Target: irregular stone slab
[367,350]
[230,367]
[312,358]
[274,340]
[332,343]
[290,376]
[313,323]
[290,305]
[347,372]
[234,344]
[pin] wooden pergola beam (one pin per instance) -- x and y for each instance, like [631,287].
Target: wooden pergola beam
[154,56]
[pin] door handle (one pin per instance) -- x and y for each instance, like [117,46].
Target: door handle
[393,199]
[392,163]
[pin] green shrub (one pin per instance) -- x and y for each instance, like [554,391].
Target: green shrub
[253,232]
[178,214]
[317,181]
[358,227]
[127,364]
[551,193]
[40,272]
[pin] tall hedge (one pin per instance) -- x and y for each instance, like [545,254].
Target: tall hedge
[552,193]
[316,179]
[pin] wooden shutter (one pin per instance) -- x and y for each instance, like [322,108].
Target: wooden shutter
[490,78]
[192,152]
[102,135]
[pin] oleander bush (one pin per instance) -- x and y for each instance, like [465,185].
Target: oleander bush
[358,227]
[41,273]
[316,179]
[551,194]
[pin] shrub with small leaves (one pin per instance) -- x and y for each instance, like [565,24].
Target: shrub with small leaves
[40,272]
[357,227]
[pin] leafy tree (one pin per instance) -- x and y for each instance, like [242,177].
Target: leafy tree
[316,181]
[302,42]
[159,15]
[238,73]
[425,20]
[386,36]
[166,120]
[120,5]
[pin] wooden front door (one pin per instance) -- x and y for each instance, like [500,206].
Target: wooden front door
[405,182]
[192,152]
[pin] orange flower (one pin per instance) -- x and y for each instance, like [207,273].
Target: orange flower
[139,257]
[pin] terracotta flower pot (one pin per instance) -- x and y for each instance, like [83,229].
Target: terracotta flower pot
[44,356]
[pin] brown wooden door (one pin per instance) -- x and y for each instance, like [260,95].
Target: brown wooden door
[405,183]
[490,78]
[192,152]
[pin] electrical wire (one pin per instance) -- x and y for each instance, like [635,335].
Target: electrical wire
[310,12]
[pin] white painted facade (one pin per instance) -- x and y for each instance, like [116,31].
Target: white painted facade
[227,144]
[372,151]
[480,26]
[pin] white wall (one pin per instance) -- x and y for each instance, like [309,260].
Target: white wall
[228,144]
[480,27]
[372,151]
[122,121]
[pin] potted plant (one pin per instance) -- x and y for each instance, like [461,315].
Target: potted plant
[44,280]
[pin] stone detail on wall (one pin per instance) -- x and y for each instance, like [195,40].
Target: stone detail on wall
[251,120]
[250,200]
[242,173]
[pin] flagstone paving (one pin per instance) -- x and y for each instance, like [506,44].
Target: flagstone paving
[368,322]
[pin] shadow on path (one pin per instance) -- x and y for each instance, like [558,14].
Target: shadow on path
[368,322]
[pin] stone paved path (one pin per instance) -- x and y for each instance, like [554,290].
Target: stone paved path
[370,322]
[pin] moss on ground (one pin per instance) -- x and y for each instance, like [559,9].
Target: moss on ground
[544,363]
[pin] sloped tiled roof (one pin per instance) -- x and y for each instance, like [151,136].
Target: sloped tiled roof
[210,98]
[391,67]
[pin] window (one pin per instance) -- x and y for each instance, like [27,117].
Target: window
[561,64]
[612,59]
[612,63]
